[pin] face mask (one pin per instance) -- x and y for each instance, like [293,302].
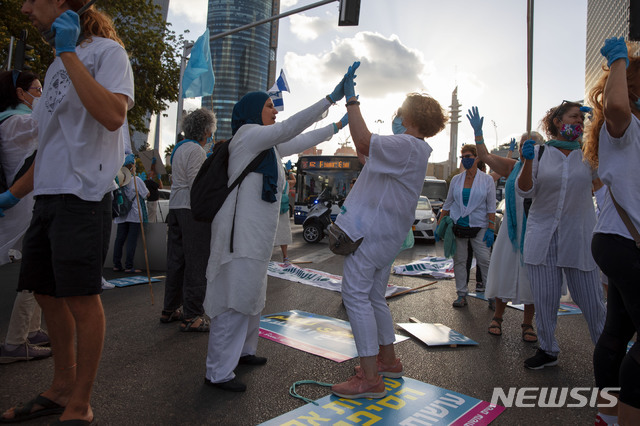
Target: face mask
[33,102]
[467,162]
[396,126]
[571,131]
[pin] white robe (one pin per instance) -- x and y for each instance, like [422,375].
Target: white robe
[238,280]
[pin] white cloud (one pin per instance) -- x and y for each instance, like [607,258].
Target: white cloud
[311,27]
[285,4]
[194,12]
[387,65]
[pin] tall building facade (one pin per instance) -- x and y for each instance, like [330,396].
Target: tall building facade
[605,19]
[242,62]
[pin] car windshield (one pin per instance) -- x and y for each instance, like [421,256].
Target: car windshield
[423,204]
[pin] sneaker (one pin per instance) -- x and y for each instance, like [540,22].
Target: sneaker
[358,387]
[460,302]
[106,285]
[24,352]
[394,371]
[541,360]
[479,287]
[41,338]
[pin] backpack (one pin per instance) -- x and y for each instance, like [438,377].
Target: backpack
[120,204]
[209,189]
[528,201]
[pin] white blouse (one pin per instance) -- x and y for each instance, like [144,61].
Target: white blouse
[482,199]
[618,159]
[562,203]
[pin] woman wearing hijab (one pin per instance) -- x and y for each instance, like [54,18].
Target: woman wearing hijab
[559,227]
[507,278]
[243,231]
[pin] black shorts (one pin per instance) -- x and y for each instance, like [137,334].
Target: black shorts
[64,249]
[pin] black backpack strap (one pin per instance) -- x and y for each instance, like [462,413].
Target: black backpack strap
[251,167]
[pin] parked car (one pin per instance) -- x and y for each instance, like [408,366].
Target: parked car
[163,204]
[436,191]
[424,225]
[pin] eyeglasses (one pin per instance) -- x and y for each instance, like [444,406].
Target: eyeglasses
[36,88]
[562,108]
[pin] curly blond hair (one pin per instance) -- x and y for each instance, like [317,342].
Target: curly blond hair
[94,22]
[425,112]
[592,136]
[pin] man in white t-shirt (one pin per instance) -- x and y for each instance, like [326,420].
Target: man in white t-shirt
[380,209]
[88,90]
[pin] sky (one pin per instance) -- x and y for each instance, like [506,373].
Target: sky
[427,46]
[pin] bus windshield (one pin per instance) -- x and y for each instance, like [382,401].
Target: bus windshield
[333,174]
[435,190]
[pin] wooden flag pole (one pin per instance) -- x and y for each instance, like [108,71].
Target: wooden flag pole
[410,290]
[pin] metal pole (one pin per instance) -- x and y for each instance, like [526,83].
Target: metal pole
[529,63]
[271,18]
[10,57]
[186,50]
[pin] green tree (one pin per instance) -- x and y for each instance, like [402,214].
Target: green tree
[152,47]
[168,150]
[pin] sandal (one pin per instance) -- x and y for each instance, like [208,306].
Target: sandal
[171,316]
[187,325]
[116,269]
[528,331]
[495,329]
[25,412]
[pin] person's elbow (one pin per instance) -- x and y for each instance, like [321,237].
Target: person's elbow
[114,118]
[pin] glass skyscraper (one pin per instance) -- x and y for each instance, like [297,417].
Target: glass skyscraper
[242,62]
[605,19]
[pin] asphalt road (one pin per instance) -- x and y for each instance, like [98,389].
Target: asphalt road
[152,374]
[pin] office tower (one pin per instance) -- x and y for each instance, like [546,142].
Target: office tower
[242,62]
[605,19]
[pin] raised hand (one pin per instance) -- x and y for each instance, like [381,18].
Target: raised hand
[528,150]
[475,120]
[614,49]
[67,30]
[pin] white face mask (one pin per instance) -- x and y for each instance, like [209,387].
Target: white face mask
[33,102]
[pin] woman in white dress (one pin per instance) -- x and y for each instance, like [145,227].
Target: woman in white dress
[507,279]
[243,231]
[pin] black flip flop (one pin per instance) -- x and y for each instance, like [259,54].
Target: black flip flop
[24,412]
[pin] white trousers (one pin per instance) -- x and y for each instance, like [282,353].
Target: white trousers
[482,254]
[546,286]
[25,318]
[231,335]
[363,292]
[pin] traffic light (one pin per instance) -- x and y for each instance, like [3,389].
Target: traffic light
[23,53]
[349,13]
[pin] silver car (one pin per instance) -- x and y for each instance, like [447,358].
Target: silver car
[424,225]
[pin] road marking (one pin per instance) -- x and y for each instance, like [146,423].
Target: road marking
[316,257]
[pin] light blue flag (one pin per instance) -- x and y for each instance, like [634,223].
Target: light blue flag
[198,77]
[275,93]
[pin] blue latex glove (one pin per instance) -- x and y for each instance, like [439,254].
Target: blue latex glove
[349,83]
[339,91]
[129,159]
[8,200]
[512,144]
[489,237]
[614,49]
[153,160]
[476,121]
[345,120]
[67,30]
[528,150]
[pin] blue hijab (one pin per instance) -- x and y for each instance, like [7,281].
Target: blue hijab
[249,111]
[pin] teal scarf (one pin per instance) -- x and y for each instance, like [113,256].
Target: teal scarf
[182,142]
[510,206]
[19,110]
[564,144]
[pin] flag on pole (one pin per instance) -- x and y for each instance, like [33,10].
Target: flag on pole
[275,92]
[198,76]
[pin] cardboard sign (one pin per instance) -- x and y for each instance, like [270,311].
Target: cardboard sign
[436,334]
[134,280]
[316,334]
[408,402]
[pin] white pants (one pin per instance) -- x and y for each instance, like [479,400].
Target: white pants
[152,211]
[231,335]
[363,293]
[482,254]
[25,318]
[546,286]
